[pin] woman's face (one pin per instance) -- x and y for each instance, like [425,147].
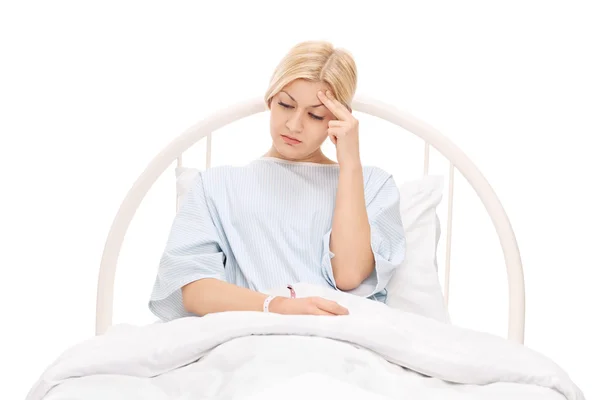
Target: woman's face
[299,120]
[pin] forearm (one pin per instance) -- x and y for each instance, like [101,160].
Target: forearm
[351,233]
[207,296]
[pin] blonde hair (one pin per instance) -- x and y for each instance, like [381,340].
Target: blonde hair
[316,61]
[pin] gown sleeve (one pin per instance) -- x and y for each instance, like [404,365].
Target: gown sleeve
[388,241]
[192,252]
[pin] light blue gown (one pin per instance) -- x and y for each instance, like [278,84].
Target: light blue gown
[267,224]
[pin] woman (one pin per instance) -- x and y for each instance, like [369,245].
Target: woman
[290,216]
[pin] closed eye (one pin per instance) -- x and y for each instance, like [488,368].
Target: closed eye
[313,116]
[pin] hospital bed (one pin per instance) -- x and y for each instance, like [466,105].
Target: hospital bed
[406,348]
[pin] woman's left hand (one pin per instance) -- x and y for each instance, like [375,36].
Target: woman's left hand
[343,132]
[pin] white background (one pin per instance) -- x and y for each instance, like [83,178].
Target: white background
[89,93]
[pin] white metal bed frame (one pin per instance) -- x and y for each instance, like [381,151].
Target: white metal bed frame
[431,137]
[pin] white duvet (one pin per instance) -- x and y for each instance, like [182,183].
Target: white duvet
[374,353]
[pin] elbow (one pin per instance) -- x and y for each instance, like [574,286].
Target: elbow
[188,297]
[188,303]
[193,301]
[347,281]
[350,275]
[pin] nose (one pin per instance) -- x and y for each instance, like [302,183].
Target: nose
[294,123]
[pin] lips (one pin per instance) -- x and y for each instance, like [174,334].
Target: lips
[290,140]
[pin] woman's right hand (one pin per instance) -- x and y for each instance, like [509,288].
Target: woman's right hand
[306,306]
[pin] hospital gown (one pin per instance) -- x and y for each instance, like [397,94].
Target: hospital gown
[267,224]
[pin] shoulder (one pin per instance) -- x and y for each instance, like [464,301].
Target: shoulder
[376,177]
[380,186]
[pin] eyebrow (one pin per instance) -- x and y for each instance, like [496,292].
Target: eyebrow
[315,106]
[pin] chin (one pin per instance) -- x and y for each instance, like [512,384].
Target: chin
[289,151]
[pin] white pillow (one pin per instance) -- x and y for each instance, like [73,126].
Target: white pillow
[415,286]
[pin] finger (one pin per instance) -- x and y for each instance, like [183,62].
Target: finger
[344,108]
[334,106]
[335,123]
[332,307]
[337,132]
[335,309]
[318,311]
[333,139]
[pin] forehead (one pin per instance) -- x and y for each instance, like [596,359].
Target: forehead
[305,92]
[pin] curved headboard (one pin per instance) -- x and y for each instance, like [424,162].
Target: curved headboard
[431,137]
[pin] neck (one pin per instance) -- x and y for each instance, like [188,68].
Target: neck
[317,157]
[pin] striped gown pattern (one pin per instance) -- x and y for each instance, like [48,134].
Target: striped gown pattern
[267,224]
